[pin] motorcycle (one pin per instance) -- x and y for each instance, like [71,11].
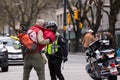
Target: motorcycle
[101,61]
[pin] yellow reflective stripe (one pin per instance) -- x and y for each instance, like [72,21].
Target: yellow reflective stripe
[56,42]
[49,47]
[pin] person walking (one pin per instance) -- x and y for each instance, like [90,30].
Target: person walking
[35,59]
[56,53]
[88,39]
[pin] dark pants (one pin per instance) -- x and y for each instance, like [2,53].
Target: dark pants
[55,71]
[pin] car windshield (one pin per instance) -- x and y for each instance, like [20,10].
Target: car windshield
[9,42]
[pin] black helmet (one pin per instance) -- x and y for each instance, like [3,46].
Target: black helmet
[52,24]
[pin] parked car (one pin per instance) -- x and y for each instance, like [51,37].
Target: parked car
[14,51]
[3,57]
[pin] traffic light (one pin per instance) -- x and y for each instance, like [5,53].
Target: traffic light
[81,25]
[68,18]
[64,28]
[76,14]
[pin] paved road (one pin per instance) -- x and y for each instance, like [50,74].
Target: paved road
[74,69]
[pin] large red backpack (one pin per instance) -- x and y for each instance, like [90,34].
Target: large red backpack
[29,40]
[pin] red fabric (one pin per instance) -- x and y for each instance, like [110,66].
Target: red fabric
[47,34]
[36,28]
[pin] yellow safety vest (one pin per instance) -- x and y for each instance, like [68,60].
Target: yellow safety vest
[52,48]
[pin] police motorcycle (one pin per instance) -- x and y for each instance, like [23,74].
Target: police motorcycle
[101,61]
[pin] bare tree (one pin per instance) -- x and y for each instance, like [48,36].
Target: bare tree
[2,16]
[23,11]
[94,9]
[86,13]
[114,7]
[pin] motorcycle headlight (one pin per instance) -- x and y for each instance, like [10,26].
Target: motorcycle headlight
[98,55]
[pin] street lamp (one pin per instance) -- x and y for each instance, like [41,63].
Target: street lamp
[64,21]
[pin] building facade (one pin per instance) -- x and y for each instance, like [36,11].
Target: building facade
[104,22]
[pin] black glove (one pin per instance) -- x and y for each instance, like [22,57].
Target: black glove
[65,59]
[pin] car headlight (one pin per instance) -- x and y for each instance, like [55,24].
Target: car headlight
[4,50]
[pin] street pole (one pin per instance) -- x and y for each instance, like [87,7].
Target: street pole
[64,21]
[79,18]
[69,30]
[9,30]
